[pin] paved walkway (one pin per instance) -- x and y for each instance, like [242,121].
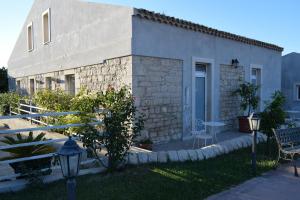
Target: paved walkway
[280,184]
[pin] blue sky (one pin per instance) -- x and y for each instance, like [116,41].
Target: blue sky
[274,21]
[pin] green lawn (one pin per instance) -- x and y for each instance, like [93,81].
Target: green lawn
[190,180]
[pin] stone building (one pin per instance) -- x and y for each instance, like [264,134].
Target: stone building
[178,71]
[290,85]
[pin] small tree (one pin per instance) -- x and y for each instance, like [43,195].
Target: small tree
[273,115]
[3,80]
[120,127]
[249,99]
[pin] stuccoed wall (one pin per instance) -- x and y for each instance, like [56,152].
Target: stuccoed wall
[230,79]
[157,87]
[290,77]
[82,33]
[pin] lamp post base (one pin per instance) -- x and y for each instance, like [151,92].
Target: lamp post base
[253,155]
[71,187]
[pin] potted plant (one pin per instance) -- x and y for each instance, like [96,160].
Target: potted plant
[249,102]
[28,151]
[145,144]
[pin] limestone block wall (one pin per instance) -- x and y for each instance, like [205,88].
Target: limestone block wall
[115,72]
[230,79]
[157,87]
[156,84]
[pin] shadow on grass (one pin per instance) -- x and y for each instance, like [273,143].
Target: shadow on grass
[189,180]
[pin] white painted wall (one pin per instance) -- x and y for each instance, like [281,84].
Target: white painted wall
[82,33]
[157,39]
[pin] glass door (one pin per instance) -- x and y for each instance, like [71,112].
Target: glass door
[200,96]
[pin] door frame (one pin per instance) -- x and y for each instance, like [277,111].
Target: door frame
[260,67]
[210,63]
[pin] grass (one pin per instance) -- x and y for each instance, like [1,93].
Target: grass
[190,180]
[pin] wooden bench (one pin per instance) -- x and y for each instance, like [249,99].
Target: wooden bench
[288,141]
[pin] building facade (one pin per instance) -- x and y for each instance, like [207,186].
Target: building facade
[291,80]
[178,71]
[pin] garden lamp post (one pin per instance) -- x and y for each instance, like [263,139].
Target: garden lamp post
[69,159]
[254,123]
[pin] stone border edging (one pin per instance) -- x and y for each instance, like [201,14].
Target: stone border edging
[207,152]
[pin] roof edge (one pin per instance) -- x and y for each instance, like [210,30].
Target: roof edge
[161,18]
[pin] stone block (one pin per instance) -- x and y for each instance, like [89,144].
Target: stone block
[173,156]
[132,159]
[153,157]
[218,149]
[200,154]
[162,157]
[209,152]
[183,155]
[143,157]
[193,155]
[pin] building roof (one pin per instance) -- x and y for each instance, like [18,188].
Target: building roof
[161,18]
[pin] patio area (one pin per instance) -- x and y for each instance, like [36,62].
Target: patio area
[188,144]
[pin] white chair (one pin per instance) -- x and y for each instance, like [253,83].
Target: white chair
[199,133]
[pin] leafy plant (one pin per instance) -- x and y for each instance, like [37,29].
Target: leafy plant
[3,80]
[53,100]
[120,128]
[273,115]
[7,100]
[249,99]
[30,166]
[27,151]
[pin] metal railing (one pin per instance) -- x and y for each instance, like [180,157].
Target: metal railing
[40,128]
[29,108]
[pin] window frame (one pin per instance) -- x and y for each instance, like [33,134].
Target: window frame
[48,85]
[46,12]
[257,67]
[32,40]
[68,85]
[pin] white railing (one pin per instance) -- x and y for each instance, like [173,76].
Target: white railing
[17,109]
[40,128]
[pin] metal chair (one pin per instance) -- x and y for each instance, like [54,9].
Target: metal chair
[199,133]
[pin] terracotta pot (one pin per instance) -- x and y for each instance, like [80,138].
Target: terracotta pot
[146,146]
[244,126]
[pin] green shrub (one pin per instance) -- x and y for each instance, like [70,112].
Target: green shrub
[121,126]
[53,100]
[249,99]
[273,115]
[7,100]
[27,151]
[3,80]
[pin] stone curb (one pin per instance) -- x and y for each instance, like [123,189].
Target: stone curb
[194,154]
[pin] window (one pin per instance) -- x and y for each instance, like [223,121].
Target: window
[255,78]
[30,37]
[298,92]
[46,27]
[70,84]
[49,83]
[18,85]
[31,86]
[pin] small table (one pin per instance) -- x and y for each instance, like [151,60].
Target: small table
[213,125]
